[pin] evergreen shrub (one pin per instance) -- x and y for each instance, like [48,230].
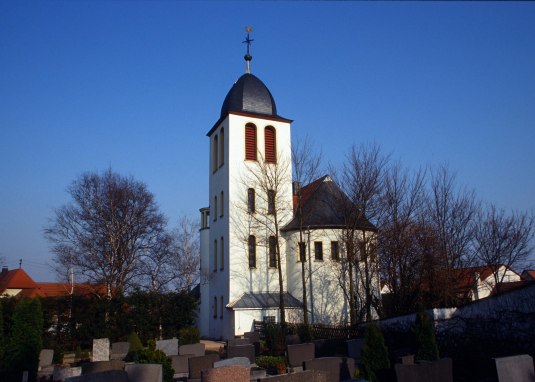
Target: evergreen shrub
[189,335]
[151,355]
[374,353]
[426,344]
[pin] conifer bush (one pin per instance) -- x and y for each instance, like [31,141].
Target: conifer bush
[189,335]
[151,355]
[374,353]
[24,342]
[426,344]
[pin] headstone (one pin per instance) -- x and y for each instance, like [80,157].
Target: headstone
[180,365]
[240,361]
[292,339]
[304,376]
[252,336]
[354,348]
[101,349]
[257,373]
[407,359]
[103,376]
[195,349]
[45,357]
[436,371]
[99,366]
[119,350]
[238,341]
[518,368]
[197,364]
[331,365]
[25,376]
[144,372]
[242,351]
[234,373]
[62,373]
[169,347]
[299,353]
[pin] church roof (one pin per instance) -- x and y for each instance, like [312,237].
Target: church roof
[264,300]
[323,207]
[249,95]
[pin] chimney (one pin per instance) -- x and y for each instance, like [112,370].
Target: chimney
[4,269]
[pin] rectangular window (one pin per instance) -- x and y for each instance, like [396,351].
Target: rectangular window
[215,208]
[272,252]
[335,251]
[215,307]
[222,254]
[271,201]
[215,154]
[251,200]
[215,255]
[221,310]
[302,251]
[222,200]
[318,250]
[252,251]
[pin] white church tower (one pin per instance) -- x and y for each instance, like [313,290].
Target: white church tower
[239,277]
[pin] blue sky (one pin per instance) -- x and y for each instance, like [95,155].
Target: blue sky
[135,86]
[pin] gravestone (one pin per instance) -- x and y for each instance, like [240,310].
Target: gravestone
[99,366]
[197,364]
[45,357]
[299,353]
[240,361]
[242,351]
[62,373]
[252,336]
[103,376]
[436,371]
[238,341]
[101,349]
[303,376]
[331,365]
[292,339]
[195,349]
[233,373]
[144,372]
[180,365]
[518,368]
[169,347]
[119,350]
[354,348]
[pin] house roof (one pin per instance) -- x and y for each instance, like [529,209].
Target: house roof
[323,206]
[465,277]
[19,279]
[264,300]
[528,274]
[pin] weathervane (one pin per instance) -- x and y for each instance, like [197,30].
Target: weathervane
[248,41]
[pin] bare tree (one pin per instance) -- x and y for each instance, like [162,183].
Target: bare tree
[361,180]
[401,251]
[305,165]
[503,239]
[186,254]
[450,212]
[109,227]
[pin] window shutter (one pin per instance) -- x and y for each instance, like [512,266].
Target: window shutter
[250,141]
[270,144]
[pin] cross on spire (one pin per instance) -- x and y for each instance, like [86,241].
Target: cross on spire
[248,56]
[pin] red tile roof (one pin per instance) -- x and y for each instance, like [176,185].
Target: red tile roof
[19,279]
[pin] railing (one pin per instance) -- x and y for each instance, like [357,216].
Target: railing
[318,331]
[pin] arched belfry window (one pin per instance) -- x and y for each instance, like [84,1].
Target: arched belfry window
[250,141]
[215,155]
[270,142]
[252,251]
[221,147]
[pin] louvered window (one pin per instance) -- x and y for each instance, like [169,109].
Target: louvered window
[302,251]
[222,254]
[215,255]
[221,147]
[272,252]
[250,142]
[252,251]
[250,200]
[270,144]
[215,154]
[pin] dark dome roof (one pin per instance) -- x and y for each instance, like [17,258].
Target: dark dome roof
[249,95]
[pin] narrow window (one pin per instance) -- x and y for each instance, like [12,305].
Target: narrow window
[221,201]
[215,208]
[272,252]
[215,255]
[271,201]
[222,254]
[221,147]
[250,142]
[335,251]
[215,307]
[250,200]
[270,144]
[252,251]
[221,310]
[318,250]
[215,155]
[302,251]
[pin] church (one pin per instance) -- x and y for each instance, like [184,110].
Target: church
[252,236]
